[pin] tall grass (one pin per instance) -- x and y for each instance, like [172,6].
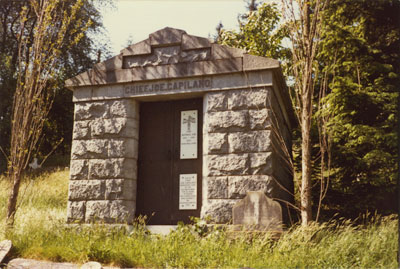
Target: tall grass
[40,233]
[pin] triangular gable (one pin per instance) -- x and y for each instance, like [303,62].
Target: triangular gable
[170,53]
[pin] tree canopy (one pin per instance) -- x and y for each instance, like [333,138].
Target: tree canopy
[73,60]
[360,53]
[359,66]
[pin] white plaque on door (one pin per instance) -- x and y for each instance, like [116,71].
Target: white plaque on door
[187,191]
[189,134]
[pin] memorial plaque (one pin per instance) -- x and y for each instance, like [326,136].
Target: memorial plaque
[187,191]
[189,121]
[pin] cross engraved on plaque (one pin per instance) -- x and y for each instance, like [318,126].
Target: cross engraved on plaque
[189,122]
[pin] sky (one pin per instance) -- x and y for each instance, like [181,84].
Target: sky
[134,20]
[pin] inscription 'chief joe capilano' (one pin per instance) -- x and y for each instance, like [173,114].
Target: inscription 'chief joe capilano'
[168,86]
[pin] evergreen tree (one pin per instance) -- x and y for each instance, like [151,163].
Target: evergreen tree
[359,68]
[361,53]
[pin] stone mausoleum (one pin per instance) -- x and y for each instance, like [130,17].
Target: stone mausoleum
[178,126]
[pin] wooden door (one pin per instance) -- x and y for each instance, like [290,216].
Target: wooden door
[160,164]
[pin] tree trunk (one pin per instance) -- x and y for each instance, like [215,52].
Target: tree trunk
[306,114]
[12,200]
[305,193]
[304,29]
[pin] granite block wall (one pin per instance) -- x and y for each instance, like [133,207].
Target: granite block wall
[241,140]
[104,155]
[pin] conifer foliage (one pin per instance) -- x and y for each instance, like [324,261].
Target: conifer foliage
[361,54]
[353,118]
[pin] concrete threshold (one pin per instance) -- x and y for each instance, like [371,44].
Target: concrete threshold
[161,229]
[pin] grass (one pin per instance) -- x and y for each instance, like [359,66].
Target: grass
[40,233]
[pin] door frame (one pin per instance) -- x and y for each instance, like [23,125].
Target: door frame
[178,166]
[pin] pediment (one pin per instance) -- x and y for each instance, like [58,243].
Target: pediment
[170,53]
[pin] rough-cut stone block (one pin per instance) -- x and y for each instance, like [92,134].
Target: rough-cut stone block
[217,101]
[81,130]
[125,108]
[86,149]
[219,210]
[92,110]
[238,100]
[115,211]
[216,143]
[123,148]
[227,121]
[257,211]
[76,211]
[259,119]
[122,211]
[221,165]
[255,141]
[258,98]
[104,148]
[112,168]
[102,127]
[248,99]
[96,148]
[217,187]
[124,189]
[86,190]
[261,163]
[116,128]
[97,211]
[79,169]
[239,185]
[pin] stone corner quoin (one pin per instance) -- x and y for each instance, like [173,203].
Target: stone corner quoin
[246,125]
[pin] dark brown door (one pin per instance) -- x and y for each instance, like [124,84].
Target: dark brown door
[159,162]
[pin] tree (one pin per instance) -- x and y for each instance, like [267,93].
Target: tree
[360,52]
[304,20]
[38,62]
[353,122]
[259,33]
[262,33]
[74,59]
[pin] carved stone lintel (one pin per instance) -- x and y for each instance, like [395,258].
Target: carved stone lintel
[167,55]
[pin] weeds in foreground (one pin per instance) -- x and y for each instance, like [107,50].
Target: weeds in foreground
[41,233]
